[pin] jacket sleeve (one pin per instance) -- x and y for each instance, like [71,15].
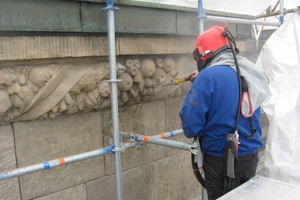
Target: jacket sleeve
[196,106]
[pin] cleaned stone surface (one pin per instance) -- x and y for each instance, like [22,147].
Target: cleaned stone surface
[173,107]
[174,178]
[9,189]
[44,140]
[173,122]
[74,193]
[137,184]
[37,47]
[145,119]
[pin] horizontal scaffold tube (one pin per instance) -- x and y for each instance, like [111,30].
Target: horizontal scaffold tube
[55,163]
[277,13]
[159,139]
[242,21]
[162,135]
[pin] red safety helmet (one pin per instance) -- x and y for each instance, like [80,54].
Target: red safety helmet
[211,40]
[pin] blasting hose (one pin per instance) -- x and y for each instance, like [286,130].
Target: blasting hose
[196,171]
[197,162]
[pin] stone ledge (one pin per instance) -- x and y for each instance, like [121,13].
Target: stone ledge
[44,47]
[47,47]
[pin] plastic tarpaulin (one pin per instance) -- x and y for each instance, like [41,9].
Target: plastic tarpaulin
[280,60]
[262,188]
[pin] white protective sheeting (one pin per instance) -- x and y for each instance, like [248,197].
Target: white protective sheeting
[280,60]
[262,188]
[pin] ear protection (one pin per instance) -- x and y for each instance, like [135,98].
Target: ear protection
[211,43]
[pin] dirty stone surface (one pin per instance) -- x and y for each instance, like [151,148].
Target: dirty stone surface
[9,189]
[44,140]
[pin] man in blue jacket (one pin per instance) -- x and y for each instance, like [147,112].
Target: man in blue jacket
[210,108]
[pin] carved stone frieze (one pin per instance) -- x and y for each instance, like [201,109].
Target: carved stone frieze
[47,91]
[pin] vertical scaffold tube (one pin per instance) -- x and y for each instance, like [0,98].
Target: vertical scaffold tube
[201,16]
[281,8]
[114,94]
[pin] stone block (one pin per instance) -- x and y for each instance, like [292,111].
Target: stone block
[40,16]
[75,193]
[142,45]
[145,119]
[37,47]
[137,184]
[9,189]
[173,107]
[173,178]
[43,140]
[243,30]
[187,23]
[132,20]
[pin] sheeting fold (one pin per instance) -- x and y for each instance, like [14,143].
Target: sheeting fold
[280,60]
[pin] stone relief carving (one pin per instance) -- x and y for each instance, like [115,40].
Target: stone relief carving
[37,92]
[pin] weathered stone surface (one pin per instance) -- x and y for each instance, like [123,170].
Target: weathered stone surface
[74,193]
[154,45]
[9,189]
[174,179]
[44,140]
[37,47]
[137,184]
[145,119]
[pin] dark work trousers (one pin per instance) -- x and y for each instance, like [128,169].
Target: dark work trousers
[214,172]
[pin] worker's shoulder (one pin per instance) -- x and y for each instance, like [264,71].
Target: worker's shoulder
[218,70]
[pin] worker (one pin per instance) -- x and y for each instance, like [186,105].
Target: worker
[215,103]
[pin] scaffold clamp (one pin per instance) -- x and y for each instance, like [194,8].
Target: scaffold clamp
[120,148]
[194,148]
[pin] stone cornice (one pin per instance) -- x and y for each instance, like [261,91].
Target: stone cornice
[44,47]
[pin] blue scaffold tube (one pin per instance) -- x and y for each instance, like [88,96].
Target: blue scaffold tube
[110,3]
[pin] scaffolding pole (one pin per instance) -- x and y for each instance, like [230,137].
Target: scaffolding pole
[160,140]
[242,21]
[281,11]
[201,16]
[162,135]
[114,93]
[54,163]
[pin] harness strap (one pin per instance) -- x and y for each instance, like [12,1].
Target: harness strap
[245,90]
[231,166]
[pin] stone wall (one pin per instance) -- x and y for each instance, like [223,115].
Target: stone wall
[149,172]
[32,135]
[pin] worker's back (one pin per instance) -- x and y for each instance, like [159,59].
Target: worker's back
[210,110]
